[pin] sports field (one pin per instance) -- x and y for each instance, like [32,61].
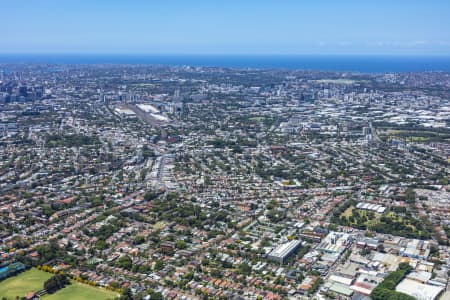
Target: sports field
[28,281]
[78,291]
[33,280]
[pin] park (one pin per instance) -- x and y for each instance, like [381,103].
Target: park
[33,280]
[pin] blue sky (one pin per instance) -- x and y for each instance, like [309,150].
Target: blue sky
[226,26]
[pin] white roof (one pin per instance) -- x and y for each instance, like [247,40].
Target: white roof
[148,108]
[381,209]
[421,276]
[123,110]
[418,290]
[283,250]
[340,279]
[160,117]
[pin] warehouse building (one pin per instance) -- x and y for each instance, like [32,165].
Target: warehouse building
[418,290]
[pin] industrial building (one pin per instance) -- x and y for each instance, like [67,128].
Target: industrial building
[419,290]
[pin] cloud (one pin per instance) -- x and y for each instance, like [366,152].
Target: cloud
[408,44]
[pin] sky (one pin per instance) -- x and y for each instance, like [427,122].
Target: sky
[263,27]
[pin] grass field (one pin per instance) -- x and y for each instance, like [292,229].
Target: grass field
[78,291]
[28,281]
[418,136]
[348,212]
[370,221]
[33,280]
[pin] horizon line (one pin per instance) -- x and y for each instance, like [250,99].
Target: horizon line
[231,54]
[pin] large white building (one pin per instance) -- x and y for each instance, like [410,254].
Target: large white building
[148,108]
[282,252]
[419,290]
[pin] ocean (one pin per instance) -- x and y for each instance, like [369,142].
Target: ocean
[344,63]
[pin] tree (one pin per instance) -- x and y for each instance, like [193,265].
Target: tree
[410,196]
[245,269]
[159,265]
[126,294]
[385,290]
[124,262]
[180,244]
[139,239]
[150,196]
[156,296]
[55,283]
[380,248]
